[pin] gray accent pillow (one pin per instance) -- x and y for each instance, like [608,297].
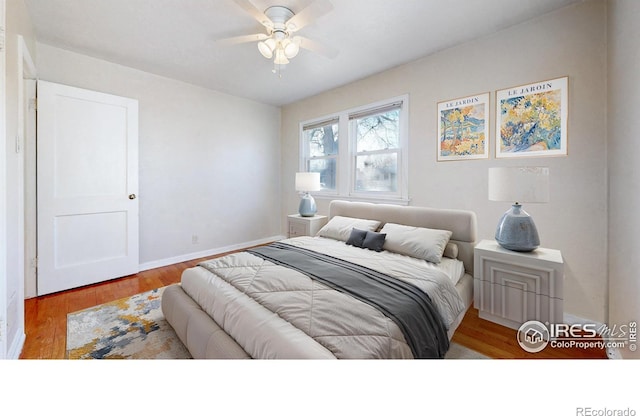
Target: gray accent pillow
[374,241]
[357,237]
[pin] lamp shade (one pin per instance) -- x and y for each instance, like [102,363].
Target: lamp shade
[519,184]
[281,58]
[308,181]
[265,50]
[291,49]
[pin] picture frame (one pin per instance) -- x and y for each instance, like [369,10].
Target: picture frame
[463,128]
[531,119]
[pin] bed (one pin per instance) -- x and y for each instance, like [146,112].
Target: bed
[377,281]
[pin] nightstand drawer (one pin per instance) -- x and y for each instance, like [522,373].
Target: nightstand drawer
[541,280]
[297,229]
[510,305]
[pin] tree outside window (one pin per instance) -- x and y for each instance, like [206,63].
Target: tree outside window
[377,147]
[369,162]
[323,147]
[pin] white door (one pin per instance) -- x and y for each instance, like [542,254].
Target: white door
[87,185]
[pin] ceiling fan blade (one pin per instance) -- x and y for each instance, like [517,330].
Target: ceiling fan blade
[242,39]
[308,14]
[317,47]
[253,11]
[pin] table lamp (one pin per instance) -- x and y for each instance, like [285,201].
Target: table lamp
[516,230]
[307,182]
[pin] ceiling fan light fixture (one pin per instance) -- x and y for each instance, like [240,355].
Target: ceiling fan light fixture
[281,58]
[271,43]
[279,44]
[267,47]
[265,50]
[291,49]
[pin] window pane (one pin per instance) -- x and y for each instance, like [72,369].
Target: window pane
[327,169]
[322,140]
[377,172]
[378,132]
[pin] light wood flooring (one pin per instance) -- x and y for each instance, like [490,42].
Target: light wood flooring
[46,319]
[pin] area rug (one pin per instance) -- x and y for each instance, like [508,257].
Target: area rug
[129,328]
[135,328]
[459,352]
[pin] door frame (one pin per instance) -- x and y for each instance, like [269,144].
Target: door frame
[3,187]
[27,71]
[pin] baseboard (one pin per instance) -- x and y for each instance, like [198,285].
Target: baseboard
[16,347]
[207,253]
[572,320]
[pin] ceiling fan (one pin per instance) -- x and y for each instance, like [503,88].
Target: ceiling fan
[281,23]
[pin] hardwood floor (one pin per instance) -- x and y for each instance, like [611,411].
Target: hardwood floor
[46,316]
[46,319]
[497,341]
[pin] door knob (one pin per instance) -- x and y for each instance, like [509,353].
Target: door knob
[132,196]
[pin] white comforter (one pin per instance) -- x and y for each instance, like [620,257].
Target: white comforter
[275,312]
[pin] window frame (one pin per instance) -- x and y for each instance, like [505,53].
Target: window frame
[346,160]
[365,112]
[305,158]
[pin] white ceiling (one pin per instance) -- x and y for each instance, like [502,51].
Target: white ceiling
[176,38]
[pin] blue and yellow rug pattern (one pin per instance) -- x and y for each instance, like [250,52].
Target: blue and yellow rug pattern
[129,328]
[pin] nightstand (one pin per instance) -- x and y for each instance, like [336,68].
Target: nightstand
[299,225]
[511,287]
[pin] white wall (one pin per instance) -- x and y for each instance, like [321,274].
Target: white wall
[569,42]
[624,175]
[209,162]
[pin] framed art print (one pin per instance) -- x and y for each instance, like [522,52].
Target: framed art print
[463,128]
[531,120]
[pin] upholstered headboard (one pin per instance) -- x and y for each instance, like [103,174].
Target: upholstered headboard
[460,222]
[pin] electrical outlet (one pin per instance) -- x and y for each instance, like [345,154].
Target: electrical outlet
[194,239]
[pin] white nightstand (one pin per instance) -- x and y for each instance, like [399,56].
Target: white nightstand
[299,226]
[511,288]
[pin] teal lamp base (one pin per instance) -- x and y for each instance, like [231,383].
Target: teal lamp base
[516,230]
[307,206]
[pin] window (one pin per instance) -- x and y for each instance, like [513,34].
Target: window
[377,146]
[370,163]
[320,141]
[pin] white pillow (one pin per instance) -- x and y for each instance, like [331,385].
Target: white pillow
[339,228]
[421,243]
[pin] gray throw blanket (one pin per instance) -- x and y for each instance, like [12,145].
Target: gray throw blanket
[409,307]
